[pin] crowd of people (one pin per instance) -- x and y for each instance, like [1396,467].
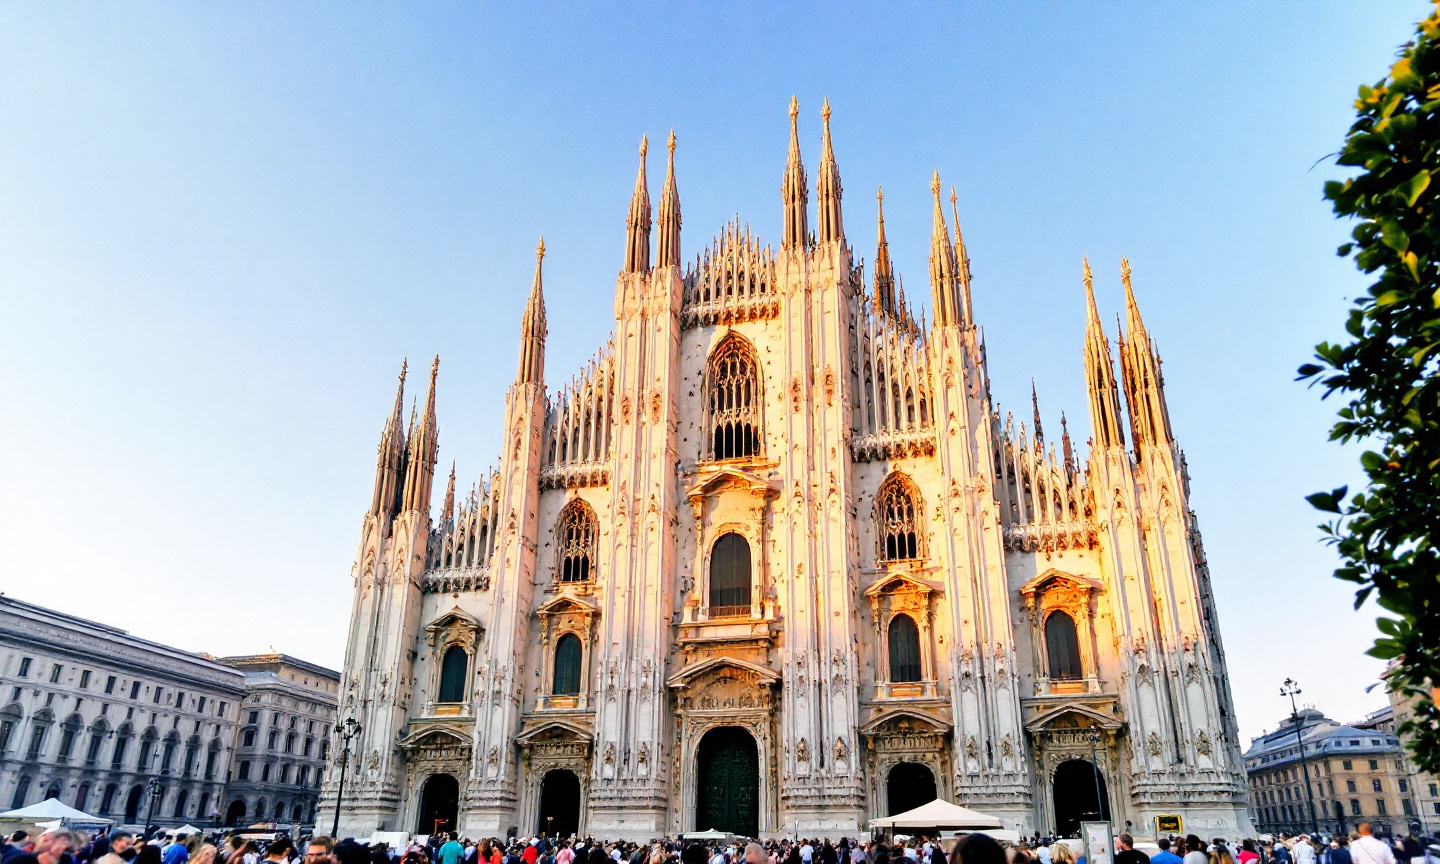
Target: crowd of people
[120,847]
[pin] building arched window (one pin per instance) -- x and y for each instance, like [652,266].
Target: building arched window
[734,400]
[575,532]
[1062,646]
[453,667]
[897,518]
[730,576]
[904,650]
[567,665]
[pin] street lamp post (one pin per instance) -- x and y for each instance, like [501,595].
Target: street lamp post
[1095,763]
[1292,689]
[348,730]
[156,787]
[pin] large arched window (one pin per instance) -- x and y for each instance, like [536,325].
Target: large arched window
[567,665]
[730,576]
[575,532]
[904,650]
[453,667]
[733,383]
[897,518]
[1062,646]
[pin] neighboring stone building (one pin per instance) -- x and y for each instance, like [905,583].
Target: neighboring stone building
[774,561]
[1426,786]
[90,714]
[282,739]
[1355,773]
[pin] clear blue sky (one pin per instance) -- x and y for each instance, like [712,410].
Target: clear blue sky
[223,225]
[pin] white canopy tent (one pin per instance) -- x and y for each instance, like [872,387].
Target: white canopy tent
[187,829]
[52,809]
[712,834]
[942,815]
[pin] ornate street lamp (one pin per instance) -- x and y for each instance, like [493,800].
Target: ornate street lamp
[156,788]
[348,732]
[1292,689]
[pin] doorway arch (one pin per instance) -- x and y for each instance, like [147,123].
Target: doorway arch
[727,794]
[909,785]
[1074,786]
[439,804]
[236,814]
[559,814]
[132,804]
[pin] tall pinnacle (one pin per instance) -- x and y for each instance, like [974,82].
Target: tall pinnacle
[390,463]
[424,443]
[944,282]
[1100,373]
[793,188]
[637,221]
[962,259]
[827,188]
[667,245]
[884,270]
[532,329]
[1140,373]
[447,511]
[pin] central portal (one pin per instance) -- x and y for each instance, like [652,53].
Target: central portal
[439,804]
[727,795]
[1079,797]
[559,804]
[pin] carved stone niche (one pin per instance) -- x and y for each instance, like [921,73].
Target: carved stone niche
[553,744]
[904,593]
[456,628]
[1056,591]
[439,747]
[903,735]
[566,614]
[1071,730]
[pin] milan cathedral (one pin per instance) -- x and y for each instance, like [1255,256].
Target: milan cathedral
[773,562]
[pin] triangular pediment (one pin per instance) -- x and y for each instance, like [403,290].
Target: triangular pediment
[690,673]
[455,617]
[928,722]
[567,603]
[433,736]
[1075,717]
[1053,575]
[898,582]
[713,478]
[562,725]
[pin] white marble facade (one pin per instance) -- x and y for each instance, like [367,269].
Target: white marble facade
[774,556]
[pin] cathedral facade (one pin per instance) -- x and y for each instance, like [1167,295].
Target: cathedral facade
[772,562]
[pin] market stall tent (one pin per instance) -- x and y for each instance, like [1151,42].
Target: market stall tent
[941,815]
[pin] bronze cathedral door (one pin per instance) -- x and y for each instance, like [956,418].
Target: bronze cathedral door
[727,796]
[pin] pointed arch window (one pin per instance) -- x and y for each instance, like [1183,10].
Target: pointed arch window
[453,667]
[730,576]
[567,665]
[897,519]
[733,400]
[576,533]
[1062,647]
[904,650]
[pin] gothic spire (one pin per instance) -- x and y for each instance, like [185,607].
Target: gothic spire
[793,189]
[827,188]
[667,245]
[447,511]
[1140,373]
[390,464]
[1035,407]
[944,283]
[884,270]
[532,329]
[1100,374]
[637,222]
[424,444]
[962,259]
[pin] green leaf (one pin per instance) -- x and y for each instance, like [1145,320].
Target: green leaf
[1415,187]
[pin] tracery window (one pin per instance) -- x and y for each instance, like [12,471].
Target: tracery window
[730,576]
[576,531]
[1062,645]
[453,667]
[904,650]
[734,400]
[567,665]
[897,519]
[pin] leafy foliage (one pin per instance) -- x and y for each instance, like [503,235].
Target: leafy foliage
[1390,372]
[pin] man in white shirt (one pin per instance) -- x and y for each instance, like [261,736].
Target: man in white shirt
[807,852]
[1043,853]
[1366,849]
[1303,852]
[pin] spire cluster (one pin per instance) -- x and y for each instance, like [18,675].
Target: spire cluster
[532,328]
[1144,386]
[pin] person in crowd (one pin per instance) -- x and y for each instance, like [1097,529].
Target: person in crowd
[50,848]
[149,854]
[1125,851]
[1195,850]
[1339,850]
[175,852]
[1366,848]
[1164,856]
[321,850]
[120,843]
[1220,854]
[1060,854]
[1303,852]
[978,849]
[451,852]
[205,854]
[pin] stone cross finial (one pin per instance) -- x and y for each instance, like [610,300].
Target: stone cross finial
[935,185]
[824,111]
[644,145]
[1125,272]
[540,250]
[794,108]
[1089,280]
[671,144]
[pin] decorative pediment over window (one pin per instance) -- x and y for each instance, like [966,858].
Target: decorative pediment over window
[904,721]
[1064,719]
[724,685]
[687,676]
[1058,589]
[567,728]
[434,740]
[455,627]
[713,479]
[567,605]
[902,583]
